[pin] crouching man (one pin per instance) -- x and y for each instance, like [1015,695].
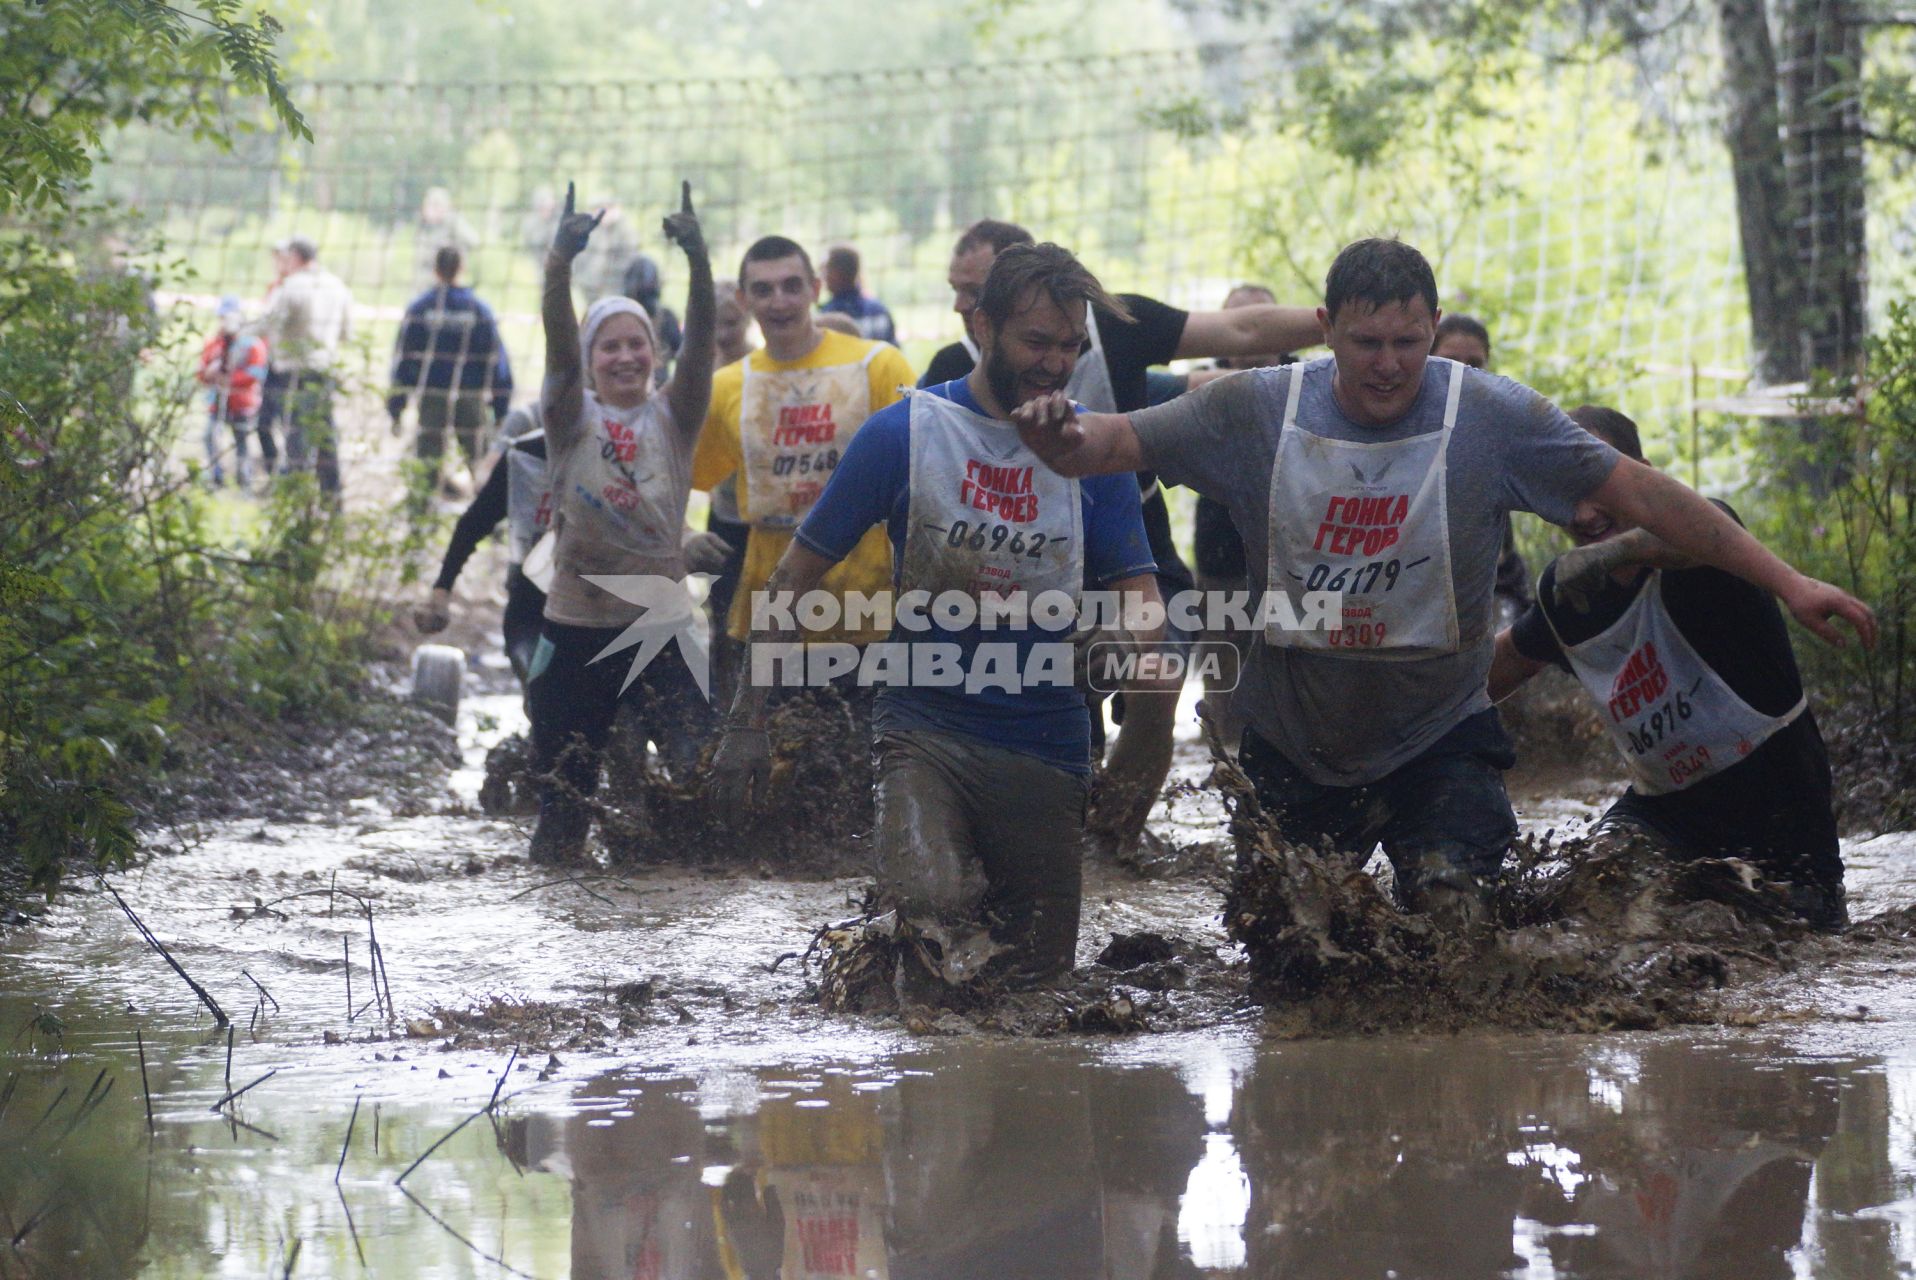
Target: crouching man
[1693,674]
[981,775]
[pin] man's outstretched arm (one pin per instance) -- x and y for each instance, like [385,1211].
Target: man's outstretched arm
[1249,331]
[1074,444]
[1643,497]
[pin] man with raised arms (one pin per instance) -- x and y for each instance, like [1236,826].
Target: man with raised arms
[1383,476]
[981,781]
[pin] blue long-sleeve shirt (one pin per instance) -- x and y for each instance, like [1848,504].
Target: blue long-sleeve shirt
[449,340]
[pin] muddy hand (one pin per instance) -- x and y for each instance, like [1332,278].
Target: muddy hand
[574,228]
[1814,603]
[741,767]
[682,228]
[1581,573]
[432,616]
[706,552]
[1048,425]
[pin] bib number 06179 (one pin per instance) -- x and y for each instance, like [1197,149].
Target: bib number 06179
[995,537]
[1358,579]
[804,464]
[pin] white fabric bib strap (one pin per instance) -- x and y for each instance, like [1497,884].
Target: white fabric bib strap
[528,496]
[1090,382]
[988,518]
[1674,719]
[794,425]
[1371,523]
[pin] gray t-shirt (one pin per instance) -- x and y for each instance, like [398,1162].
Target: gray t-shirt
[1343,720]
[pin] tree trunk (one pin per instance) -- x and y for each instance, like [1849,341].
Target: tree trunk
[1765,220]
[1823,160]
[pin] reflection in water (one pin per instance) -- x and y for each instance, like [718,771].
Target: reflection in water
[1662,1159]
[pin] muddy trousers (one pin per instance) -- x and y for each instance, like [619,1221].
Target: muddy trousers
[572,702]
[969,834]
[1442,817]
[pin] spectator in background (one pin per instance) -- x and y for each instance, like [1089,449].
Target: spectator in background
[233,371]
[1464,339]
[644,284]
[307,320]
[536,226]
[439,227]
[449,354]
[848,297]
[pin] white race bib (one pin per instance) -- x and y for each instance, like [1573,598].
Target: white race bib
[1370,522]
[1673,718]
[528,496]
[623,490]
[793,426]
[988,518]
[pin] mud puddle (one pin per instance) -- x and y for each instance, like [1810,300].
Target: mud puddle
[669,1102]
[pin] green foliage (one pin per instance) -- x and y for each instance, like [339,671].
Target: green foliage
[71,69]
[129,622]
[125,622]
[1843,508]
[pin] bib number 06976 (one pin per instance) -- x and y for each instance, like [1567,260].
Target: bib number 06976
[804,464]
[995,537]
[1358,579]
[1658,723]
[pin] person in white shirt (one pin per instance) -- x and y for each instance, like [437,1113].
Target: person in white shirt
[308,320]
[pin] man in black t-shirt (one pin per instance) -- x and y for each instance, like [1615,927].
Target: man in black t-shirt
[1694,673]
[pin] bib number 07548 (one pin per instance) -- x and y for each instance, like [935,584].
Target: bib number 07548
[804,464]
[984,536]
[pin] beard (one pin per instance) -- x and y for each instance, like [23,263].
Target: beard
[1003,381]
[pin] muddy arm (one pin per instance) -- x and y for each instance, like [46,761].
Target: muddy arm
[1249,331]
[1636,495]
[1508,668]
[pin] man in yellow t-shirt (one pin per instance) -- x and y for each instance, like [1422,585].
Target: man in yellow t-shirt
[780,420]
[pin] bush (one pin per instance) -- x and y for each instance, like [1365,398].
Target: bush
[124,620]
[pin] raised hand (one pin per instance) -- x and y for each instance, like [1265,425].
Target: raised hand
[574,229]
[682,228]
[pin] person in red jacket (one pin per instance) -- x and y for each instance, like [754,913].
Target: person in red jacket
[232,369]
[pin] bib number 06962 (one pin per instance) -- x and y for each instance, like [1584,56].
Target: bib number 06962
[804,464]
[1358,579]
[995,537]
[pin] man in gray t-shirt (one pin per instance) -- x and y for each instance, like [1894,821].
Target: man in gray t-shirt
[1386,476]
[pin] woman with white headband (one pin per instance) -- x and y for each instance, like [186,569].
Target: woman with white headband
[620,458]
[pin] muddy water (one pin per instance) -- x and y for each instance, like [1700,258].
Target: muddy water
[688,1115]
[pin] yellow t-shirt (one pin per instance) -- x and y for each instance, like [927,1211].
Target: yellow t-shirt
[721,453]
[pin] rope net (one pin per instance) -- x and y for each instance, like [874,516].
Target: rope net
[1601,249]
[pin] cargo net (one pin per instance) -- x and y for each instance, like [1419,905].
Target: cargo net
[1600,246]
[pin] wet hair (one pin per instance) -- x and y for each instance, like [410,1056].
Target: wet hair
[446,263]
[1469,326]
[1611,427]
[1380,272]
[842,257]
[771,249]
[999,236]
[1023,269]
